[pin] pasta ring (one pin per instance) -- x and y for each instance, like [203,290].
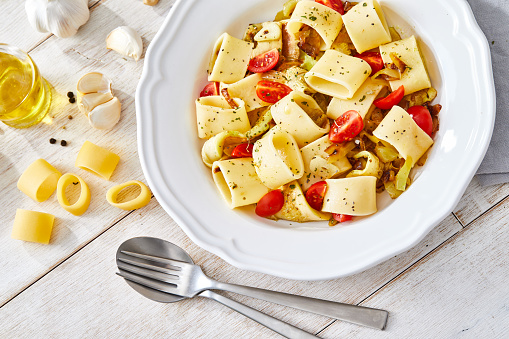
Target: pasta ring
[39,180]
[141,200]
[32,226]
[97,160]
[80,206]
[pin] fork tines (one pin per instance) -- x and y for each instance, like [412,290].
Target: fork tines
[155,285]
[175,263]
[168,274]
[147,269]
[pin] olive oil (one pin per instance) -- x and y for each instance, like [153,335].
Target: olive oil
[25,96]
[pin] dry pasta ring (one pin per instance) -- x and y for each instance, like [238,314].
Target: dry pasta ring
[141,200]
[81,205]
[32,226]
[97,160]
[39,180]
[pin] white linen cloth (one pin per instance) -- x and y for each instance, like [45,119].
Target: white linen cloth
[493,18]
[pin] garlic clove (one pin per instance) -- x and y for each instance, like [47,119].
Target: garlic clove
[88,102]
[94,82]
[125,41]
[63,18]
[105,116]
[96,100]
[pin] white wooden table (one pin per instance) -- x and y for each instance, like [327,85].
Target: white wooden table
[452,284]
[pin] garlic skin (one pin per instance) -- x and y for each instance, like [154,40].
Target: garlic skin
[125,41]
[96,101]
[63,18]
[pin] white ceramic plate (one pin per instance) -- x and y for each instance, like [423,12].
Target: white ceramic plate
[459,63]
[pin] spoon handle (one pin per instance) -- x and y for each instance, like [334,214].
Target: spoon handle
[365,316]
[274,324]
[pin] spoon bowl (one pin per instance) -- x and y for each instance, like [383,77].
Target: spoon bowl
[158,248]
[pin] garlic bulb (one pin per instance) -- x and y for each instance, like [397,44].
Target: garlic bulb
[96,101]
[125,41]
[60,17]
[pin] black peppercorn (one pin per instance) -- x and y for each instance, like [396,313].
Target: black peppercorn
[52,140]
[70,94]
[72,100]
[63,143]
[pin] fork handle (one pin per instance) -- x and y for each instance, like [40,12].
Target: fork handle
[365,316]
[274,324]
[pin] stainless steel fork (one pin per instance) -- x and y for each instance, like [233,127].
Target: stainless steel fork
[189,280]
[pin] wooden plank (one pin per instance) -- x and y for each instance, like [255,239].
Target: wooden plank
[478,199]
[63,62]
[458,291]
[20,32]
[83,297]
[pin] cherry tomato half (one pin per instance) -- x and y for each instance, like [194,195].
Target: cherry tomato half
[212,88]
[392,99]
[271,91]
[315,194]
[346,127]
[243,151]
[341,217]
[374,59]
[422,118]
[336,5]
[264,62]
[270,204]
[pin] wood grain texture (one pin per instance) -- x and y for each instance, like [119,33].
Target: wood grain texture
[89,300]
[478,199]
[458,291]
[63,62]
[436,289]
[20,33]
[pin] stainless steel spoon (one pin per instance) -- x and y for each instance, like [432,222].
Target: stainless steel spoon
[164,249]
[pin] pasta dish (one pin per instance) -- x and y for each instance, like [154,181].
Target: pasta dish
[313,114]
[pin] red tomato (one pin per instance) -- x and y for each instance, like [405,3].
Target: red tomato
[212,88]
[374,59]
[392,99]
[341,217]
[271,91]
[243,151]
[315,194]
[422,118]
[270,204]
[346,127]
[264,62]
[336,5]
